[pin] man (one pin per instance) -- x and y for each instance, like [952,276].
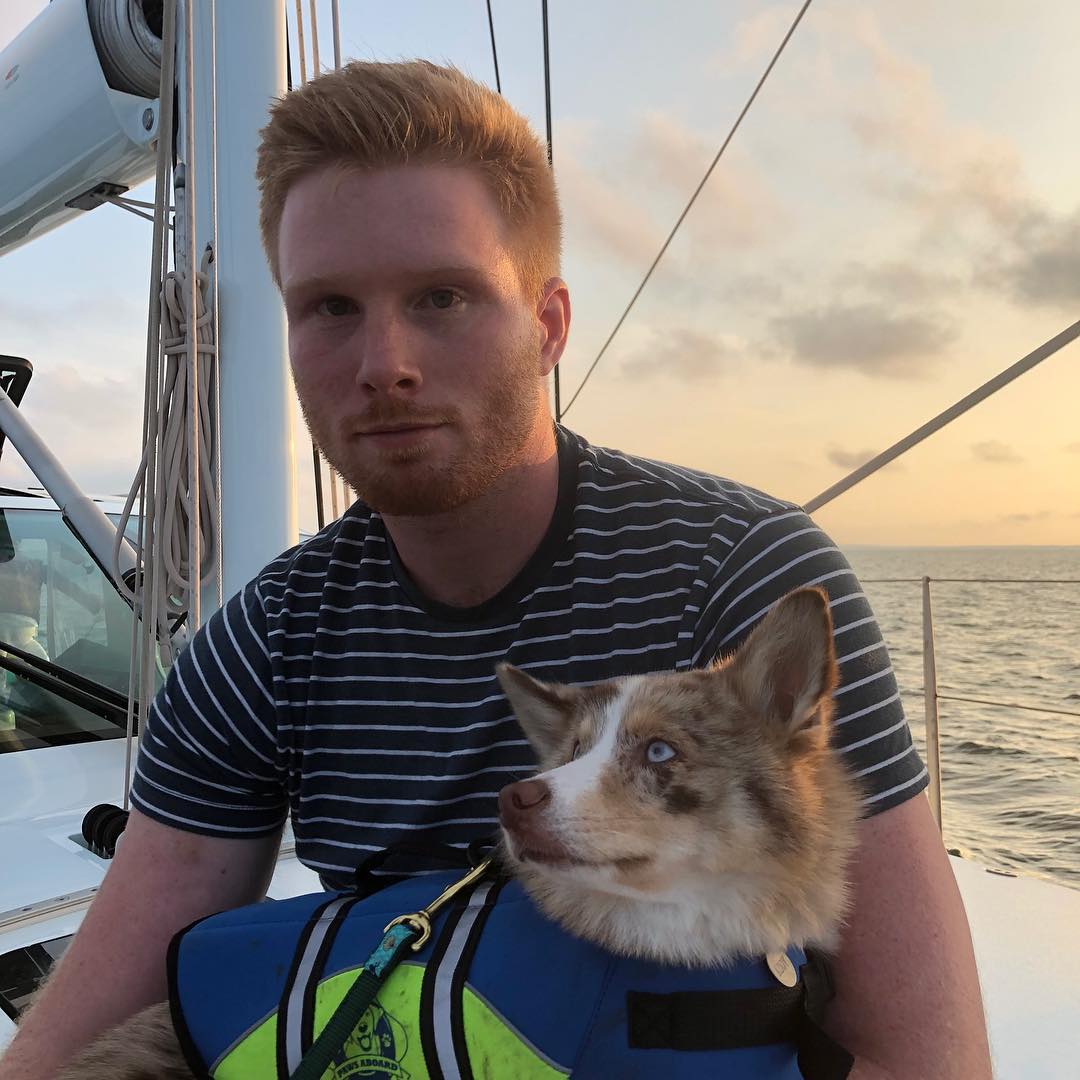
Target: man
[412,225]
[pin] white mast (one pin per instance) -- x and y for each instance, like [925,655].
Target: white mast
[258,473]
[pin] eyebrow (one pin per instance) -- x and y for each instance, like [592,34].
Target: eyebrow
[320,282]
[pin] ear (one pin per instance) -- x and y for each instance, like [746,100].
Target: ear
[544,710]
[553,317]
[787,667]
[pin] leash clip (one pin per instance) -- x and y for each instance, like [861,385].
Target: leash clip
[420,921]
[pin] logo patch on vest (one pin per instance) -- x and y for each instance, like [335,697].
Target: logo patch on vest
[374,1049]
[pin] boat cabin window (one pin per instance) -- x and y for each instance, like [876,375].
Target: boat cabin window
[57,604]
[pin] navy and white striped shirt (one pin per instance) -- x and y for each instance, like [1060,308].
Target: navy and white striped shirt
[331,688]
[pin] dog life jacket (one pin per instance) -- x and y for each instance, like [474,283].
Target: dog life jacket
[499,991]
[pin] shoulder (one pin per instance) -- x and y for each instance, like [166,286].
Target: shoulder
[609,477]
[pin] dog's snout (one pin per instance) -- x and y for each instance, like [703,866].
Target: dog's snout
[517,800]
[529,793]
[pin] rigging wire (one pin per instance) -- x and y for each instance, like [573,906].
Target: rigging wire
[335,15]
[347,494]
[315,66]
[300,41]
[316,460]
[551,164]
[132,208]
[969,401]
[495,52]
[693,199]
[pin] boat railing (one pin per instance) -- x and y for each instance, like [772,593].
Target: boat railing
[931,697]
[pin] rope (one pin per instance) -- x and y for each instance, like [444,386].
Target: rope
[191,308]
[140,669]
[693,199]
[176,482]
[970,401]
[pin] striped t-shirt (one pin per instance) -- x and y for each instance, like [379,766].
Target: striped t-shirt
[332,689]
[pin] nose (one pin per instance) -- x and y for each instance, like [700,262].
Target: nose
[518,802]
[387,365]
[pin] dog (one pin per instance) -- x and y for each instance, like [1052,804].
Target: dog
[690,818]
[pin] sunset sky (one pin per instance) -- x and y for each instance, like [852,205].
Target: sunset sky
[897,220]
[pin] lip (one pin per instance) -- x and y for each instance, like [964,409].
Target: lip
[396,435]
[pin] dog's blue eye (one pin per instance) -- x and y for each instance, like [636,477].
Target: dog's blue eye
[658,751]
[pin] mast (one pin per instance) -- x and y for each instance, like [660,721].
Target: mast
[258,472]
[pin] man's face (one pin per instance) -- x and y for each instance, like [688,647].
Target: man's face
[416,356]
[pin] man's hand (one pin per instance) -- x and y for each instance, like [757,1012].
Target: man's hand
[161,880]
[908,1002]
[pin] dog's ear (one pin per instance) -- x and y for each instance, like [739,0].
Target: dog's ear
[786,668]
[544,710]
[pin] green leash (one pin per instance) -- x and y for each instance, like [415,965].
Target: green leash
[406,933]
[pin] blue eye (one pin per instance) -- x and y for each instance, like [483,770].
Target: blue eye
[658,751]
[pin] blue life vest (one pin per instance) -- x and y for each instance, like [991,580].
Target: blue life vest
[498,991]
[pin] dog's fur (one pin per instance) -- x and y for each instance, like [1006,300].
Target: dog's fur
[693,817]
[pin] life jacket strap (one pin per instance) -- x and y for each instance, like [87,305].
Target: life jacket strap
[730,1019]
[396,943]
[407,933]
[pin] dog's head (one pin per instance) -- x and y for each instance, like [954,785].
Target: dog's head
[659,787]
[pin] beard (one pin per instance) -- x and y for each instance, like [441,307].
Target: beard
[420,480]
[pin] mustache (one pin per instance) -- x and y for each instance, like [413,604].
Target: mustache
[378,419]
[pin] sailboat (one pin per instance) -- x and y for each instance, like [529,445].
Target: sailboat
[67,697]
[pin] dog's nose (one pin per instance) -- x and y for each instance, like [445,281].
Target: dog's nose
[516,800]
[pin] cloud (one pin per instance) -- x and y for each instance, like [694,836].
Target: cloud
[737,208]
[852,459]
[967,186]
[868,338]
[996,453]
[848,459]
[623,197]
[1026,519]
[66,406]
[897,281]
[918,154]
[685,354]
[1043,266]
[605,218]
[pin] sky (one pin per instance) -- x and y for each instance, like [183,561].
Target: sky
[896,221]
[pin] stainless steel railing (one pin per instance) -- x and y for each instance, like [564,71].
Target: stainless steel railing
[931,697]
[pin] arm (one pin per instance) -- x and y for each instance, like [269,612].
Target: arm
[908,1002]
[161,880]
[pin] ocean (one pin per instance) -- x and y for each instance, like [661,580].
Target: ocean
[1010,776]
